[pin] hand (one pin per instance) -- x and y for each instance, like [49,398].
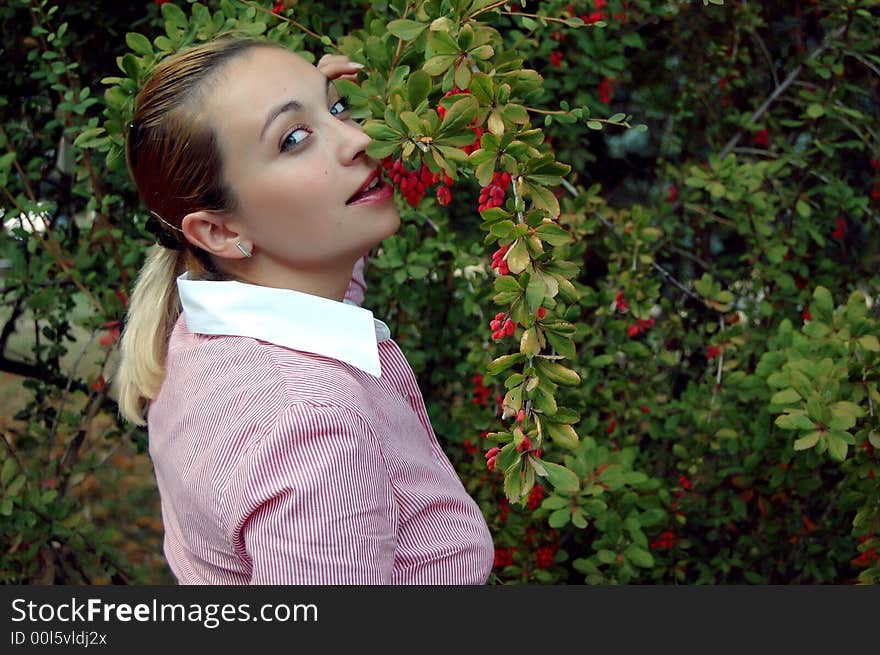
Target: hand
[339,67]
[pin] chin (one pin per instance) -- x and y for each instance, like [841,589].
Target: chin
[393,223]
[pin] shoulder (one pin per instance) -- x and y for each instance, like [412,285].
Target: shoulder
[239,366]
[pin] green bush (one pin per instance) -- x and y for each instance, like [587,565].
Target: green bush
[635,277]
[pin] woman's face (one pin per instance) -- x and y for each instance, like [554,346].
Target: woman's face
[296,165]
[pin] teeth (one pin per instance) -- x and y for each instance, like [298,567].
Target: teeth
[373,184]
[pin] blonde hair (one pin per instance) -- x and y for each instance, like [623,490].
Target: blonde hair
[176,165]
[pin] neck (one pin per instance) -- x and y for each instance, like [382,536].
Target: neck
[326,282]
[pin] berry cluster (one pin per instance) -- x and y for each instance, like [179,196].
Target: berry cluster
[640,327]
[498,261]
[503,556]
[493,194]
[761,138]
[535,497]
[545,557]
[491,454]
[665,539]
[114,330]
[411,184]
[620,303]
[713,351]
[868,557]
[501,326]
[606,90]
[685,485]
[477,129]
[481,391]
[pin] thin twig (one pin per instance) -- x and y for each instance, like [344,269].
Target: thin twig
[766,52]
[778,91]
[858,57]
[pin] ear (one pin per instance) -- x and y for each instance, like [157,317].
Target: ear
[214,233]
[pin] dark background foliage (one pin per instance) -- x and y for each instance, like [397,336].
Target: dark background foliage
[723,295]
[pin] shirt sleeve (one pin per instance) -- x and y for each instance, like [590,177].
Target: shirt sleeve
[357,287]
[322,509]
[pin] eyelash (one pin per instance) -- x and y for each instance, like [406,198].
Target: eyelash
[302,128]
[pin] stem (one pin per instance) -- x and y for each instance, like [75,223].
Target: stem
[489,8]
[778,91]
[53,432]
[540,17]
[298,26]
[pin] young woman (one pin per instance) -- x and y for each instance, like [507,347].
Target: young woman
[289,438]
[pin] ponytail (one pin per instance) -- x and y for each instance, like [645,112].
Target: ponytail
[152,312]
[176,166]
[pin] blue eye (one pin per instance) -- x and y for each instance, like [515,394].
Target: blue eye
[294,139]
[339,107]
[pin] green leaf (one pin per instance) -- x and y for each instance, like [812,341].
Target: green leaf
[553,234]
[869,342]
[785,397]
[90,137]
[543,400]
[639,556]
[174,17]
[513,480]
[442,43]
[563,345]
[408,30]
[561,434]
[503,363]
[518,257]
[558,373]
[606,556]
[847,408]
[529,344]
[563,479]
[837,447]
[559,518]
[8,471]
[566,415]
[795,421]
[823,304]
[808,441]
[482,89]
[815,110]
[803,209]
[418,86]
[555,502]
[536,291]
[438,64]
[462,112]
[381,131]
[139,43]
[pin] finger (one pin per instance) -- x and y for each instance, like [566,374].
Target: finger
[334,66]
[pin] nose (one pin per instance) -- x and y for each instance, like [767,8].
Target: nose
[353,142]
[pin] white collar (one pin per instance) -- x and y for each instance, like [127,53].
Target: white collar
[295,320]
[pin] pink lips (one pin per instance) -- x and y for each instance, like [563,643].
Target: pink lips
[380,192]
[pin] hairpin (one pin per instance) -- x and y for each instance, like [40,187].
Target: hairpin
[154,226]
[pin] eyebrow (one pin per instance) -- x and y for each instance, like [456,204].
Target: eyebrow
[290,105]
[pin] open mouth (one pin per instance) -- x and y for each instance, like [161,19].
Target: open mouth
[367,189]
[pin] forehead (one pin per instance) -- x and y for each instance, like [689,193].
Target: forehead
[259,80]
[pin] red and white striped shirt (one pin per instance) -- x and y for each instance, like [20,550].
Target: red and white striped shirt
[291,445]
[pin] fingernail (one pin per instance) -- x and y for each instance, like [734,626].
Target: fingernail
[356,64]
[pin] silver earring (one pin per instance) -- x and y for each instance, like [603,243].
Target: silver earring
[244,251]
